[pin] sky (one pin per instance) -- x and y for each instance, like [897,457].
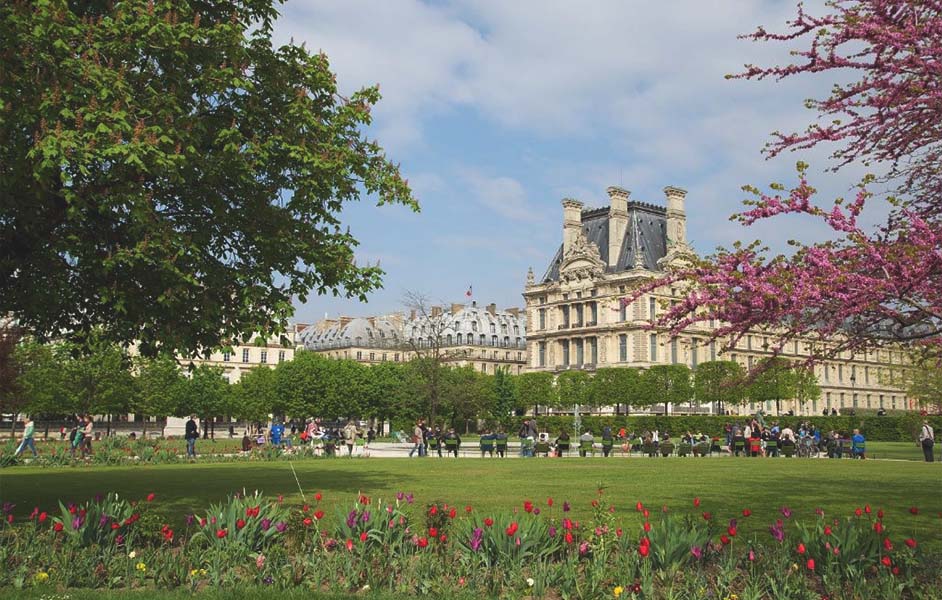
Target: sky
[498,110]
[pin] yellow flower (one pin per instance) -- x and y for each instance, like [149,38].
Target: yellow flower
[194,572]
[41,577]
[618,591]
[141,567]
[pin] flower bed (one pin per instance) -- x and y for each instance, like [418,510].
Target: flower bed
[407,548]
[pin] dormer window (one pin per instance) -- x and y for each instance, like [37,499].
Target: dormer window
[474,325]
[493,328]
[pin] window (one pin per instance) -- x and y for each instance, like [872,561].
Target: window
[653,344]
[623,348]
[580,357]
[674,351]
[516,330]
[595,312]
[542,361]
[519,355]
[493,328]
[506,355]
[359,355]
[483,339]
[542,320]
[474,325]
[564,311]
[459,339]
[226,356]
[245,355]
[623,311]
[796,347]
[827,397]
[593,350]
[840,373]
[384,357]
[749,361]
[396,357]
[264,356]
[565,345]
[372,356]
[484,367]
[866,374]
[578,316]
[652,307]
[493,340]
[748,342]
[281,356]
[827,375]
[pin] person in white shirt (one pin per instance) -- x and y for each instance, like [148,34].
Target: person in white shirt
[788,434]
[927,439]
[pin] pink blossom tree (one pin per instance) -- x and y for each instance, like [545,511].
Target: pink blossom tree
[866,287]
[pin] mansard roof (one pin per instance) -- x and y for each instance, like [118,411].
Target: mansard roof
[646,233]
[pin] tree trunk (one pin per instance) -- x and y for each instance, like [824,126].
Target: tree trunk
[144,428]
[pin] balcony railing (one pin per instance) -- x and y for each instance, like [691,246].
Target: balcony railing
[563,326]
[405,346]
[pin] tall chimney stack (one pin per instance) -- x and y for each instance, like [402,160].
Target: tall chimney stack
[572,222]
[617,222]
[676,216]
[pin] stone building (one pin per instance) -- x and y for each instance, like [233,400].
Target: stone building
[576,320]
[257,352]
[483,337]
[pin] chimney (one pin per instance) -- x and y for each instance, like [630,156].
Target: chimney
[456,308]
[436,311]
[513,311]
[492,308]
[617,222]
[676,217]
[572,222]
[412,315]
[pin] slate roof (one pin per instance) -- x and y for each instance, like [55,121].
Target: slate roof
[647,223]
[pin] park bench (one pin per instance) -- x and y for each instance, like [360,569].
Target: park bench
[586,447]
[666,448]
[487,446]
[542,448]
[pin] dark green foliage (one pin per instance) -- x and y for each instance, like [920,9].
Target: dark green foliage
[169,176]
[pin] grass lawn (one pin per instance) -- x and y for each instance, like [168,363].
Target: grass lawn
[724,485]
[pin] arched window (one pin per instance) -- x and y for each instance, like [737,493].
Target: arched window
[449,339]
[493,340]
[483,339]
[474,325]
[459,338]
[506,341]
[493,328]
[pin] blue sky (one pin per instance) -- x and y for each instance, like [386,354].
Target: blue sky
[498,110]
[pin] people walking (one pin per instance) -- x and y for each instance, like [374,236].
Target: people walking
[926,438]
[350,436]
[28,428]
[191,434]
[417,439]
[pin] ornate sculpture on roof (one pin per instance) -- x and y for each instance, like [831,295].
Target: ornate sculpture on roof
[530,278]
[581,260]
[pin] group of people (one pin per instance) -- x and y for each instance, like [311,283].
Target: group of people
[80,436]
[754,438]
[425,438]
[313,433]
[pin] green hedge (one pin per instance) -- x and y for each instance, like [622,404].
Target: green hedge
[877,429]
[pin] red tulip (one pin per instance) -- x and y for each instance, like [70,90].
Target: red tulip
[644,550]
[549,502]
[363,536]
[432,532]
[810,564]
[867,509]
[528,506]
[318,514]
[707,516]
[913,510]
[150,497]
[422,542]
[886,561]
[349,545]
[858,512]
[639,507]
[442,538]
[42,517]
[887,544]
[240,523]
[911,542]
[827,530]
[731,531]
[895,570]
[645,513]
[488,522]
[724,539]
[307,522]
[880,514]
[878,527]
[318,496]
[467,508]
[512,528]
[696,502]
[453,513]
[746,512]
[647,526]
[221,533]
[433,511]
[57,526]
[569,537]
[801,548]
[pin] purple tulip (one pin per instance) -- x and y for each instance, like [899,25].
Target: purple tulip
[103,521]
[266,524]
[409,498]
[119,539]
[365,517]
[552,531]
[697,552]
[536,510]
[280,526]
[778,532]
[399,496]
[786,512]
[77,522]
[189,520]
[8,507]
[565,507]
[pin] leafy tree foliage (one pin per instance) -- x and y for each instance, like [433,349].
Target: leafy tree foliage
[719,381]
[612,386]
[534,389]
[665,384]
[505,396]
[254,395]
[169,176]
[573,388]
[774,381]
[160,387]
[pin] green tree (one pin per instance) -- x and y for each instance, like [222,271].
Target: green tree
[774,381]
[466,395]
[613,386]
[806,384]
[505,396]
[170,176]
[665,384]
[159,387]
[719,382]
[205,393]
[301,385]
[573,388]
[921,380]
[39,378]
[254,396]
[536,389]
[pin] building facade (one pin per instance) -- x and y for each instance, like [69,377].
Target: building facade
[577,319]
[483,337]
[258,352]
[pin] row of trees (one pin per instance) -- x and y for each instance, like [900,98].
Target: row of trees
[58,379]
